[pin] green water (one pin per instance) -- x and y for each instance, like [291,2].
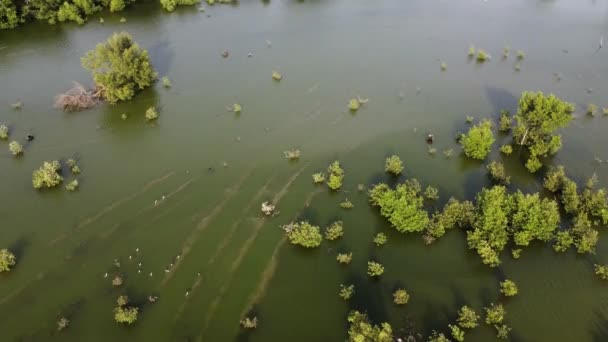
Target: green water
[328,51]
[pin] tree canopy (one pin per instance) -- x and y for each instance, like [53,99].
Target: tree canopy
[362,330]
[403,206]
[119,67]
[477,143]
[7,260]
[303,234]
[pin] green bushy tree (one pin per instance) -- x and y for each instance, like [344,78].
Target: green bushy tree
[477,143]
[403,206]
[362,330]
[303,234]
[7,260]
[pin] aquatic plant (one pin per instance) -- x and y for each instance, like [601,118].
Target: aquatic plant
[516,253]
[236,108]
[393,165]
[7,260]
[374,269]
[448,152]
[303,234]
[276,76]
[122,300]
[403,207]
[506,149]
[521,54]
[346,292]
[432,151]
[431,193]
[471,52]
[334,231]
[101,21]
[470,119]
[517,67]
[591,109]
[380,239]
[482,56]
[117,281]
[477,143]
[457,333]
[495,314]
[171,5]
[293,154]
[318,178]
[72,165]
[62,323]
[497,173]
[502,331]
[354,104]
[347,204]
[15,148]
[127,315]
[361,329]
[249,323]
[336,175]
[506,51]
[504,123]
[467,318]
[401,297]
[151,114]
[72,186]
[454,214]
[124,116]
[563,241]
[601,271]
[119,67]
[344,258]
[508,288]
[3,132]
[47,175]
[166,80]
[533,218]
[443,66]
[538,117]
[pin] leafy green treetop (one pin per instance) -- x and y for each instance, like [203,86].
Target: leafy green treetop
[393,165]
[7,260]
[127,315]
[303,234]
[467,318]
[362,330]
[533,218]
[403,206]
[336,175]
[477,143]
[120,68]
[47,176]
[508,288]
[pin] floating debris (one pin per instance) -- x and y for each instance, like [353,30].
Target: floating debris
[225,54]
[17,105]
[268,209]
[293,154]
[268,43]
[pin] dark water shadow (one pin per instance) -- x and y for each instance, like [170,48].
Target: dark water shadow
[18,248]
[500,99]
[599,327]
[162,57]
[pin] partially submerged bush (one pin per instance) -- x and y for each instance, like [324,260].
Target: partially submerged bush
[354,104]
[505,121]
[122,300]
[236,108]
[508,288]
[467,318]
[15,148]
[151,114]
[293,154]
[403,207]
[344,258]
[380,239]
[477,143]
[497,173]
[303,234]
[346,292]
[506,149]
[249,323]
[591,109]
[533,218]
[166,80]
[334,231]
[361,329]
[127,315]
[276,76]
[502,331]
[431,193]
[457,333]
[72,186]
[495,314]
[401,297]
[7,260]
[347,204]
[393,165]
[318,178]
[171,5]
[62,323]
[438,337]
[471,52]
[336,175]
[521,54]
[47,176]
[601,271]
[374,269]
[482,56]
[538,117]
[3,132]
[117,281]
[73,166]
[563,241]
[120,68]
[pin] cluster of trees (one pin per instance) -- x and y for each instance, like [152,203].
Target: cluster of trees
[303,234]
[336,175]
[402,206]
[171,5]
[123,313]
[361,329]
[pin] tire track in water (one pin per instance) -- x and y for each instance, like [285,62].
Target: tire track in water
[113,206]
[202,226]
[242,252]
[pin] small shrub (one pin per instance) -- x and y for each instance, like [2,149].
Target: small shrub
[318,178]
[502,331]
[117,281]
[72,186]
[601,271]
[443,66]
[482,56]
[504,124]
[506,51]
[471,52]
[62,323]
[151,114]
[605,110]
[47,176]
[495,314]
[7,260]
[336,175]
[521,54]
[122,300]
[293,154]
[380,239]
[457,333]
[344,258]
[17,105]
[469,119]
[303,234]
[516,253]
[347,204]
[354,105]
[438,337]
[15,148]
[497,173]
[3,132]
[374,269]
[477,143]
[249,323]
[467,318]
[166,82]
[334,231]
[591,109]
[508,288]
[236,108]
[124,116]
[401,297]
[448,153]
[506,149]
[431,193]
[518,67]
[393,165]
[127,315]
[123,20]
[276,76]
[346,292]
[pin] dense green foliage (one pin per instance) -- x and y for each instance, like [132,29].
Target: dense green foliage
[505,121]
[303,234]
[3,132]
[495,314]
[374,269]
[7,260]
[119,67]
[456,332]
[454,214]
[506,149]
[362,330]
[431,193]
[467,318]
[170,5]
[401,297]
[47,176]
[336,175]
[380,239]
[477,143]
[346,292]
[15,148]
[334,231]
[393,165]
[497,173]
[344,258]
[151,114]
[600,270]
[346,204]
[502,331]
[403,206]
[508,288]
[126,315]
[533,218]
[538,117]
[318,178]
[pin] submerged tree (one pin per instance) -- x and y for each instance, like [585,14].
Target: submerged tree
[374,269]
[508,288]
[477,143]
[7,260]
[538,117]
[336,175]
[401,297]
[393,165]
[334,231]
[497,173]
[119,67]
[495,314]
[303,234]
[467,318]
[127,315]
[403,206]
[533,218]
[361,329]
[346,292]
[170,5]
[344,258]
[47,176]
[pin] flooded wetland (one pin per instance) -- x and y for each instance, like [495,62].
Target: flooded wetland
[195,199]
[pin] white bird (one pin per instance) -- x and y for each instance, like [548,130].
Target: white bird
[138,271]
[137,250]
[163,198]
[130,257]
[155,202]
[139,264]
[150,274]
[187,293]
[105,275]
